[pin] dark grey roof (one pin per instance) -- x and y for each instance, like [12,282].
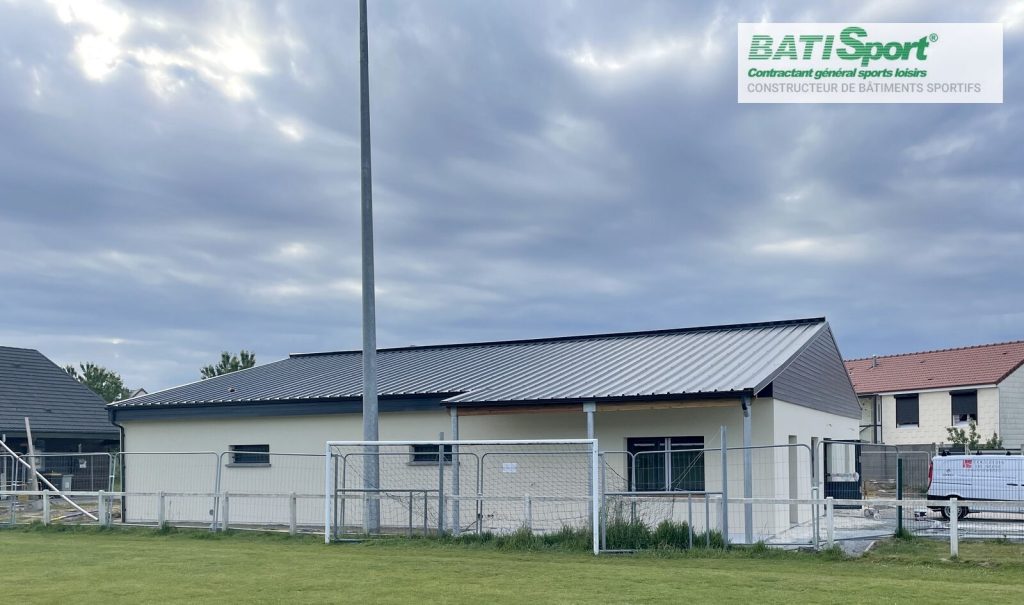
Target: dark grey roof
[32,385]
[691,361]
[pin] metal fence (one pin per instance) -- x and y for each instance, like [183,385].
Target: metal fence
[482,488]
[78,471]
[780,495]
[693,486]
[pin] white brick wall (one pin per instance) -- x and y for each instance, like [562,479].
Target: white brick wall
[935,414]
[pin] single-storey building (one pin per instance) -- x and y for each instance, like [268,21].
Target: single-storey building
[913,398]
[773,383]
[64,416]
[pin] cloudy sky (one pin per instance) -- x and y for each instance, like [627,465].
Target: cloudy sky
[180,178]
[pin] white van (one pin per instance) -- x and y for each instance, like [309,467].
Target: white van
[988,477]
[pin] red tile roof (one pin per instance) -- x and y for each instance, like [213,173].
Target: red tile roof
[982,364]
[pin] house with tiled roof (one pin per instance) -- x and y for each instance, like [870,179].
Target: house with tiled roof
[913,398]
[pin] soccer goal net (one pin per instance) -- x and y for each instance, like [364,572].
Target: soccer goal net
[453,487]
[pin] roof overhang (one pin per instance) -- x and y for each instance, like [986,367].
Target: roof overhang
[112,435]
[624,399]
[252,409]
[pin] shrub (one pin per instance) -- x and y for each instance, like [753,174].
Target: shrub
[628,535]
[670,534]
[520,539]
[570,538]
[709,539]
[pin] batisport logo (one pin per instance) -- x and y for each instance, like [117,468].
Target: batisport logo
[853,46]
[870,62]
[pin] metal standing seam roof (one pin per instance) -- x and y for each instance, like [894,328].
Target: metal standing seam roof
[688,361]
[966,366]
[32,385]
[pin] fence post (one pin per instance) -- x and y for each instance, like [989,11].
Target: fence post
[216,487]
[111,469]
[528,512]
[440,486]
[456,517]
[954,528]
[101,506]
[725,490]
[816,522]
[481,461]
[224,513]
[748,480]
[161,511]
[340,525]
[707,521]
[899,494]
[604,504]
[46,509]
[830,526]
[689,519]
[293,521]
[409,531]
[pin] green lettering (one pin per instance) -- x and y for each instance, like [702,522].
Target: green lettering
[921,44]
[849,37]
[787,48]
[809,41]
[761,47]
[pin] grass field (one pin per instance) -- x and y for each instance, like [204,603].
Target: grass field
[122,566]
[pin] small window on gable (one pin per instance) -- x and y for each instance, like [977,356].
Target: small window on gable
[250,455]
[427,454]
[907,411]
[964,405]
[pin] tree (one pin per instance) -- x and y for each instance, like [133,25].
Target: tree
[105,383]
[229,363]
[972,440]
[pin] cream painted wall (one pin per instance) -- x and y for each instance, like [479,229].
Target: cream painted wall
[935,415]
[773,422]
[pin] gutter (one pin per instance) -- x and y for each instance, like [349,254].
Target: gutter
[112,414]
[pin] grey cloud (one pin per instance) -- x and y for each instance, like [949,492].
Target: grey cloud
[540,168]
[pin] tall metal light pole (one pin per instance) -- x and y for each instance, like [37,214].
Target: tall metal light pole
[371,462]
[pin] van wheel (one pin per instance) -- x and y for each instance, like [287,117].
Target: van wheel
[961,512]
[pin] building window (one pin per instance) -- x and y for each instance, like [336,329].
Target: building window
[965,407]
[907,411]
[250,455]
[666,464]
[427,454]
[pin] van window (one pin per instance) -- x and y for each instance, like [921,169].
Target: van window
[965,407]
[907,410]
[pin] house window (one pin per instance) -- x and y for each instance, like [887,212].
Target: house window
[250,455]
[427,454]
[907,411]
[965,407]
[666,464]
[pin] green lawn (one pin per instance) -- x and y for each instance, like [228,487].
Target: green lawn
[143,566]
